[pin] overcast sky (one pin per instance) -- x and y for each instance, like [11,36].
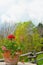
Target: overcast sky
[21,10]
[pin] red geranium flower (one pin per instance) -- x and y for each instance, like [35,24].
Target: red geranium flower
[11,36]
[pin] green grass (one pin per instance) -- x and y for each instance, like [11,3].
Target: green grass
[40,62]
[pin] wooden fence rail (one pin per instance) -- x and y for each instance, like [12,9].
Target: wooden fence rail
[33,55]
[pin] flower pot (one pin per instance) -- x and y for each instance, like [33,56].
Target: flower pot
[9,60]
[11,50]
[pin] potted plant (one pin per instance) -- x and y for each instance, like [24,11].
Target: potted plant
[11,50]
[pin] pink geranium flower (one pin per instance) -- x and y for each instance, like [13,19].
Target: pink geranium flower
[4,48]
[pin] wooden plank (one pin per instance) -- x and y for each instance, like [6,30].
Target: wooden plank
[39,53]
[1,60]
[26,54]
[19,63]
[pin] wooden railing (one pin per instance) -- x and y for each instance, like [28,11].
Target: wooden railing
[33,55]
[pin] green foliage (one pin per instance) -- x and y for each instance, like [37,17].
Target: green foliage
[27,34]
[36,40]
[23,34]
[40,62]
[11,46]
[27,38]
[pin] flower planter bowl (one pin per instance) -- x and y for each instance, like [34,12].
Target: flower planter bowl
[9,60]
